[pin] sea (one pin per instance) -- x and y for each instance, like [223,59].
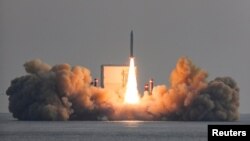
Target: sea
[14,130]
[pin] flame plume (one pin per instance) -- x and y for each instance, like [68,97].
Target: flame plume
[131,95]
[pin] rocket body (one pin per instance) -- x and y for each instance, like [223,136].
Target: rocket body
[131,44]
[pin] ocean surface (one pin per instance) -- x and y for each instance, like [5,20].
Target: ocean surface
[14,130]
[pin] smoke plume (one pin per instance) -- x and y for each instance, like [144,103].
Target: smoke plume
[63,92]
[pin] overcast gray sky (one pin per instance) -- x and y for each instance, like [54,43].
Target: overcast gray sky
[214,34]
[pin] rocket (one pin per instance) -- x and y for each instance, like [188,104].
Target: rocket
[131,44]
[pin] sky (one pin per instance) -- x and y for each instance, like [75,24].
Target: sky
[214,34]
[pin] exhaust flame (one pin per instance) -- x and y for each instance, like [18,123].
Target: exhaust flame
[131,95]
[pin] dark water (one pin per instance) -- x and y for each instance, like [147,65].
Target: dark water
[13,130]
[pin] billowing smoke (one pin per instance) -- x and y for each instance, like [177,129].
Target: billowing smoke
[63,92]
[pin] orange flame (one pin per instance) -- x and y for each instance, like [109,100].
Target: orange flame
[131,95]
